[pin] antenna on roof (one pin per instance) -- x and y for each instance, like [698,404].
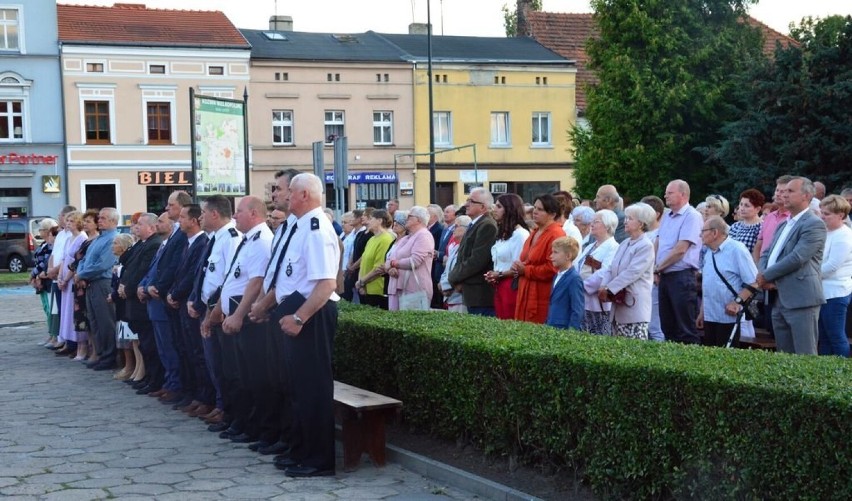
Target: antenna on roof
[413,20]
[276,7]
[442,17]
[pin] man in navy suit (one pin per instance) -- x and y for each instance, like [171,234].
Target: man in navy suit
[136,268]
[160,277]
[194,376]
[436,229]
[790,270]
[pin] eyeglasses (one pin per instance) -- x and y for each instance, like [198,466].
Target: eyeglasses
[707,229]
[472,201]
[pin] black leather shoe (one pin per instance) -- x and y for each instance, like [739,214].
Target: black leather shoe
[242,438]
[285,462]
[230,432]
[307,471]
[185,401]
[218,427]
[254,446]
[139,384]
[276,448]
[146,390]
[91,365]
[104,367]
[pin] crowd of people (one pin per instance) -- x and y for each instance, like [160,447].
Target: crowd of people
[658,269]
[229,315]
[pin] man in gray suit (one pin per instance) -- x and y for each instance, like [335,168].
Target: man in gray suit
[474,255]
[790,270]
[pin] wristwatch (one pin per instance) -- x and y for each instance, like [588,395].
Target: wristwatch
[739,300]
[298,320]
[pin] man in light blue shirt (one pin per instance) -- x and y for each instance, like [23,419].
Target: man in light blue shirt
[678,247]
[95,275]
[720,304]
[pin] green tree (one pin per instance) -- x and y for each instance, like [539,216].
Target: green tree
[510,16]
[665,87]
[796,113]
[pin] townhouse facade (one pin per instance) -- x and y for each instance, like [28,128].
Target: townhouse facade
[316,87]
[126,75]
[32,156]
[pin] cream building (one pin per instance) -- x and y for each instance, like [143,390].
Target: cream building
[126,73]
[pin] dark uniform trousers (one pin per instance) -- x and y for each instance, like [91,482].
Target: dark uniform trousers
[277,426]
[311,383]
[228,373]
[193,370]
[213,360]
[253,402]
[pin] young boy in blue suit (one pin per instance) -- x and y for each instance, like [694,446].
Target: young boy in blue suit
[566,297]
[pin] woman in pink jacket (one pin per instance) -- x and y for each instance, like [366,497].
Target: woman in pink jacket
[413,251]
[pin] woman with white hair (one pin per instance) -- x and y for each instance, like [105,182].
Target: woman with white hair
[583,216]
[409,262]
[627,281]
[595,257]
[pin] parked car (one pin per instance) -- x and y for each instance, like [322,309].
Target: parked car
[18,241]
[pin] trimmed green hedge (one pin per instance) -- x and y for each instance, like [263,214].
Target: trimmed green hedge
[636,419]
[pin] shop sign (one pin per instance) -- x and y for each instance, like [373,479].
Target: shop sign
[364,177]
[50,184]
[164,177]
[27,159]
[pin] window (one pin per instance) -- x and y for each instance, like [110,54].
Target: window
[541,129]
[216,70]
[9,28]
[500,128]
[157,69]
[11,120]
[382,127]
[333,77]
[282,127]
[159,123]
[94,67]
[282,76]
[97,122]
[333,126]
[443,125]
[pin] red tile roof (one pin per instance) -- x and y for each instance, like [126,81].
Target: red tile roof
[567,34]
[135,24]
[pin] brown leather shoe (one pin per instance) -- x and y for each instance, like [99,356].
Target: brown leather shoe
[201,410]
[168,395]
[158,393]
[210,414]
[190,407]
[216,419]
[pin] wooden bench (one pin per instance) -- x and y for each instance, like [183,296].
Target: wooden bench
[362,415]
[762,340]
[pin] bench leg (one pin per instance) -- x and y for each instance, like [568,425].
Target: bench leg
[364,433]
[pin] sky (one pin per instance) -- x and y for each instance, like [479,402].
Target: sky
[449,17]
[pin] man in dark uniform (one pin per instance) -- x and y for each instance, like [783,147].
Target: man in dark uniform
[276,426]
[242,285]
[307,315]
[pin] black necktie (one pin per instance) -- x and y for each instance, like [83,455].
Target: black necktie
[275,248]
[281,257]
[207,253]
[234,260]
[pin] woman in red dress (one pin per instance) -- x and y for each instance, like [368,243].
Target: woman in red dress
[534,269]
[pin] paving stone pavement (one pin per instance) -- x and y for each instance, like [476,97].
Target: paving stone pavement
[68,433]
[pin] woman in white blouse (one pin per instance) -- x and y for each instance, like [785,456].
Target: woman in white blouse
[836,277]
[512,232]
[595,257]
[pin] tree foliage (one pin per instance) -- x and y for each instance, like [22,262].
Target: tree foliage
[797,116]
[510,17]
[664,69]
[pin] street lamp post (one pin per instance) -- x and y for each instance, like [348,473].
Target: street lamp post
[433,195]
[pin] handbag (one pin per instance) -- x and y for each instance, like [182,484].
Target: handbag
[124,332]
[621,298]
[750,307]
[417,300]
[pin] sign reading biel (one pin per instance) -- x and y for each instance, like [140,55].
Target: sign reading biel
[164,177]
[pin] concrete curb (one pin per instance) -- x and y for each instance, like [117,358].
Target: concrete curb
[455,477]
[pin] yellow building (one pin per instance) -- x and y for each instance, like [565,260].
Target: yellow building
[502,109]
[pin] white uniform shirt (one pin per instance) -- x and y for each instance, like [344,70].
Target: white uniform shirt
[227,240]
[249,263]
[277,246]
[313,255]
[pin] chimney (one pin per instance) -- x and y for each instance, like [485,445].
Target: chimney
[522,28]
[280,23]
[418,29]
